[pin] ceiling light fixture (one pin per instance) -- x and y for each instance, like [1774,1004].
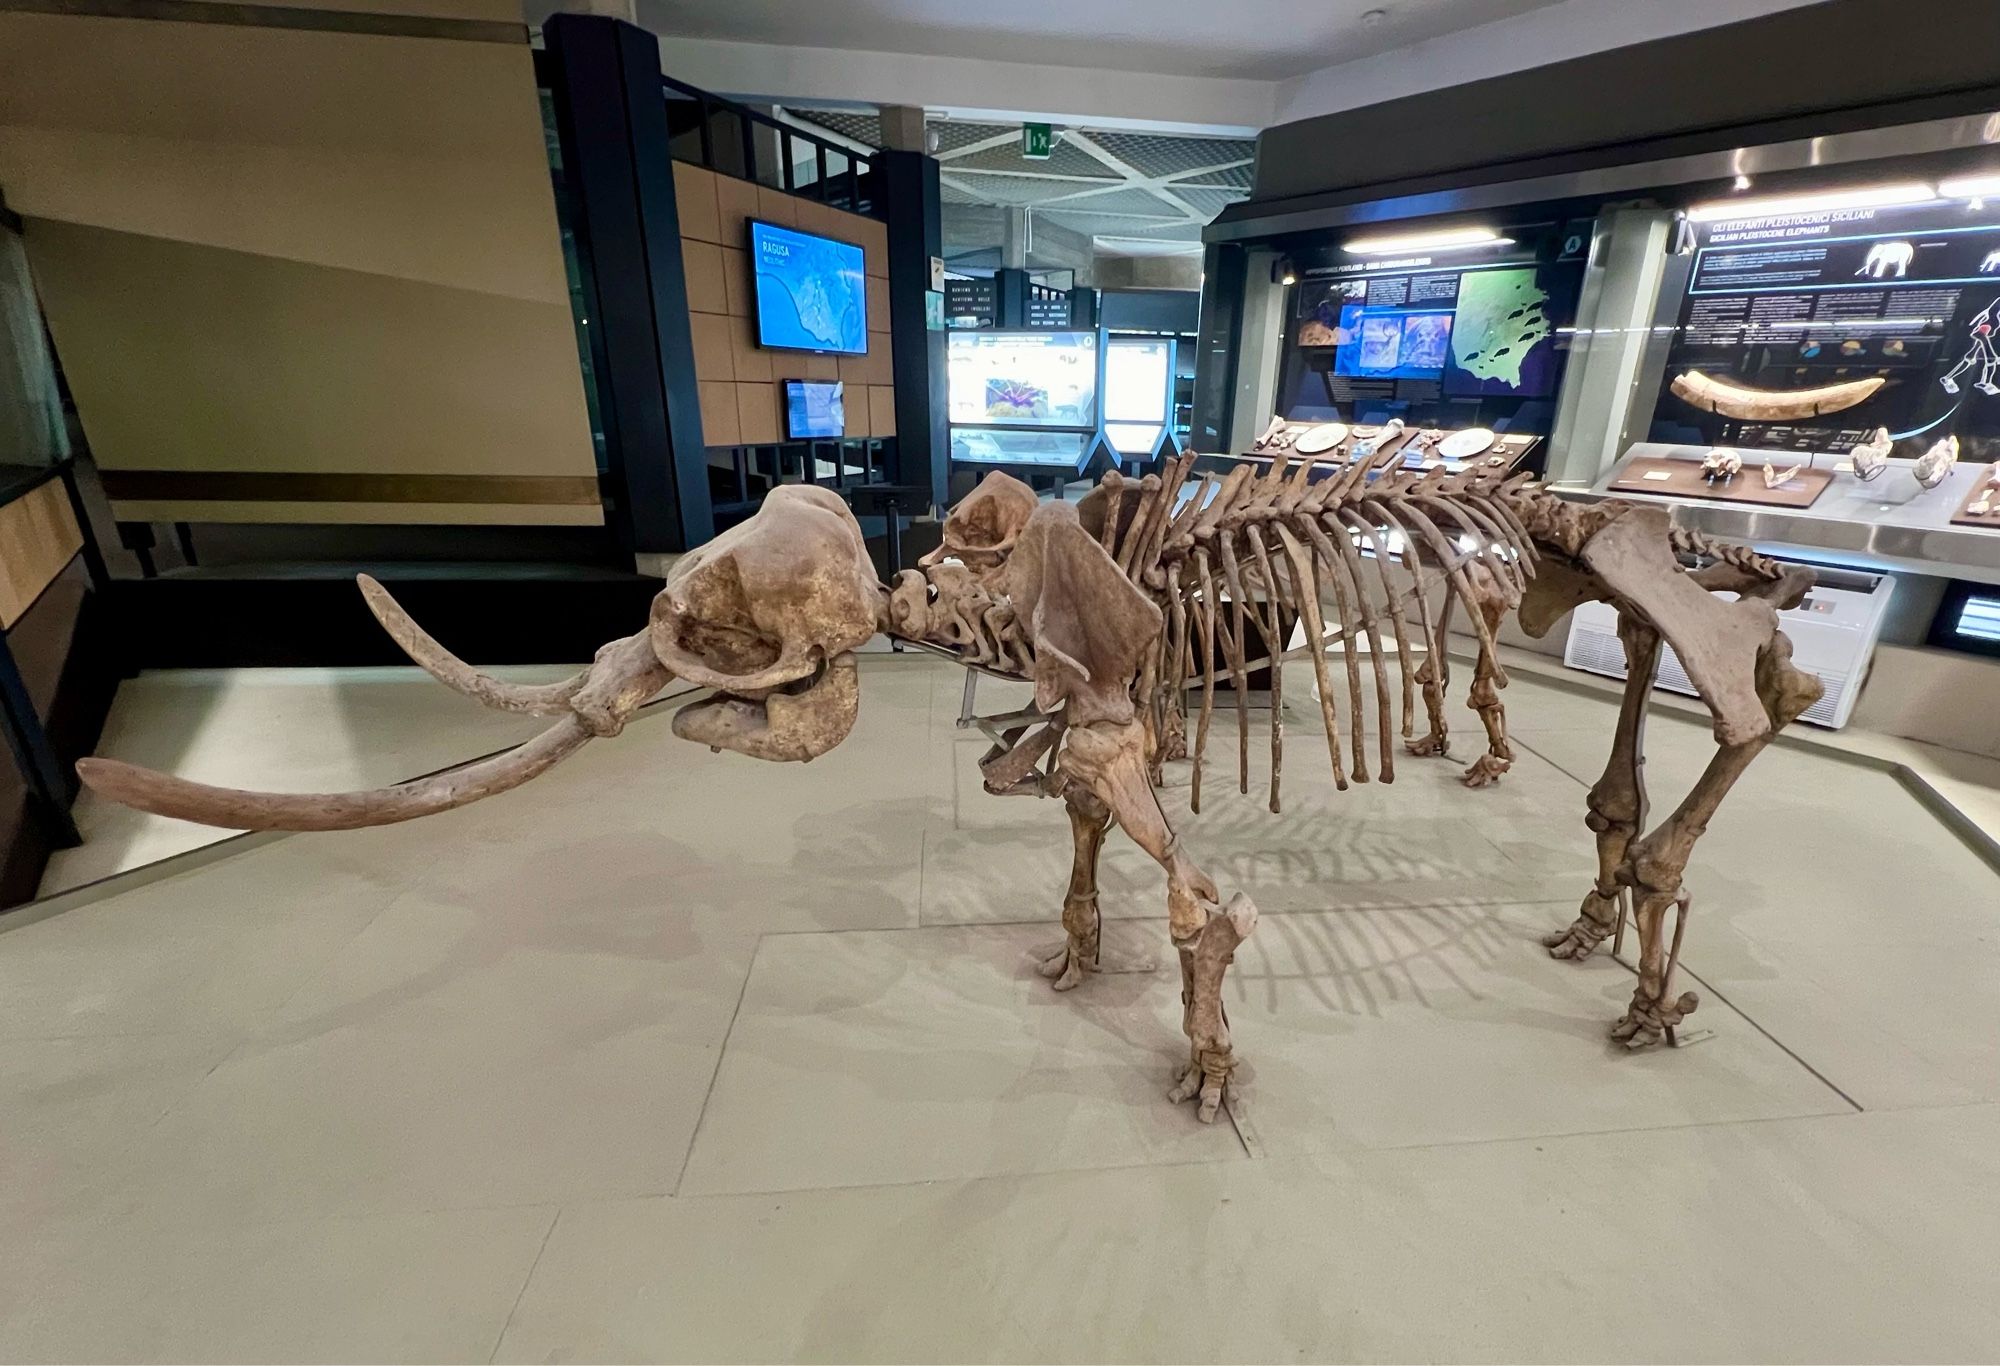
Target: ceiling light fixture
[1863,197]
[1441,239]
[1970,186]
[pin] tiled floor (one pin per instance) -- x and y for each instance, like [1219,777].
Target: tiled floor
[674,1055]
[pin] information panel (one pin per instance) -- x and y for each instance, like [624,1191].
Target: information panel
[1905,295]
[1023,379]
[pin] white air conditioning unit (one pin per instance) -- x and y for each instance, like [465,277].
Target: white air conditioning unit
[1833,633]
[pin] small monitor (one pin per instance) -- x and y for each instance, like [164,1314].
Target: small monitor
[815,410]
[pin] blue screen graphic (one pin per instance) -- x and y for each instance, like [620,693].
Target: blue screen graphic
[814,410]
[812,291]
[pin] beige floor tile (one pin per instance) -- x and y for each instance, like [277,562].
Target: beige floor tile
[301,730]
[1778,1241]
[1397,1028]
[70,1107]
[408,1286]
[872,1058]
[1425,839]
[1839,914]
[213,948]
[453,1057]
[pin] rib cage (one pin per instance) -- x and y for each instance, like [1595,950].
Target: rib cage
[1376,551]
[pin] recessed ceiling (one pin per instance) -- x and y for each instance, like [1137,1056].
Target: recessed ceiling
[1248,39]
[1135,193]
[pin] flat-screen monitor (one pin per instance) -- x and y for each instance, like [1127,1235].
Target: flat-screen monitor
[815,410]
[1022,379]
[1135,379]
[812,291]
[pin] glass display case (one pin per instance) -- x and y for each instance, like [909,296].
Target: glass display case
[1443,329]
[1823,373]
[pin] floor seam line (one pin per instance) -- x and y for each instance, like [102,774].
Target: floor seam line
[526,1281]
[721,1053]
[1778,1043]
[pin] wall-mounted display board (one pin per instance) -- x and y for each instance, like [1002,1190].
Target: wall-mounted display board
[1050,313]
[1806,332]
[1022,398]
[1023,379]
[971,303]
[1440,338]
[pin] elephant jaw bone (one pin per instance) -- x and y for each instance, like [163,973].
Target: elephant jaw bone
[792,724]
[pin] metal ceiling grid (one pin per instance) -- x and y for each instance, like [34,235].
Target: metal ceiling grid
[1234,178]
[1121,198]
[862,128]
[1065,158]
[1157,155]
[1110,225]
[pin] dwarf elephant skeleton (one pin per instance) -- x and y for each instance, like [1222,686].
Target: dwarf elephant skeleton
[1125,612]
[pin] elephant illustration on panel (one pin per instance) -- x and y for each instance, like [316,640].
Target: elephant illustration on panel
[1886,258]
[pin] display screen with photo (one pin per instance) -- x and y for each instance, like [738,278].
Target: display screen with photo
[1023,379]
[1907,295]
[814,410]
[812,291]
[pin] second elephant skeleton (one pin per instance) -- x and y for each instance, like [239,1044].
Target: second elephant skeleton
[1115,610]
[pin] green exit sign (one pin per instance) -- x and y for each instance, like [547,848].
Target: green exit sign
[1037,141]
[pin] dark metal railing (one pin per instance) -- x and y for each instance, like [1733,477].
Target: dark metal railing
[736,140]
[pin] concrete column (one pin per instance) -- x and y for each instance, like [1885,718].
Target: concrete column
[903,128]
[1017,238]
[1261,348]
[1614,318]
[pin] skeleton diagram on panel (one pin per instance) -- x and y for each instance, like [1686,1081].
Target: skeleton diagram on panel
[1126,612]
[1979,352]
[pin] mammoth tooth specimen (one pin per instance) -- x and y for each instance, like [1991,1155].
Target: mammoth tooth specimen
[1871,457]
[1934,464]
[1721,466]
[1712,395]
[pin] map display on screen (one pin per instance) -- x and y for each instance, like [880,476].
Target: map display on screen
[812,291]
[815,410]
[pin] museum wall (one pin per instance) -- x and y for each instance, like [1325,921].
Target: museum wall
[1856,53]
[742,385]
[300,274]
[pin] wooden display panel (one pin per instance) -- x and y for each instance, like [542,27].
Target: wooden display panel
[1966,517]
[1683,480]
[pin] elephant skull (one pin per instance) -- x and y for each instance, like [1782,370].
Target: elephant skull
[768,615]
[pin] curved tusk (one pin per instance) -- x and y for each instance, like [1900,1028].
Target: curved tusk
[232,809]
[1770,405]
[541,699]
